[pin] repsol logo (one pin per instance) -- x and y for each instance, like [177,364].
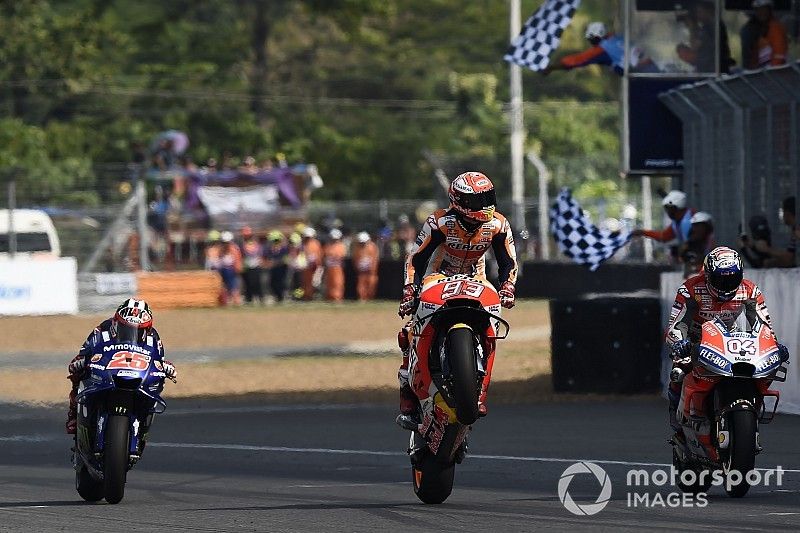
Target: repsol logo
[129,347]
[467,246]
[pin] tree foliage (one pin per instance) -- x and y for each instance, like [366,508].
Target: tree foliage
[361,87]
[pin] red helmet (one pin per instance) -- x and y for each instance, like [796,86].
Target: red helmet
[132,321]
[472,195]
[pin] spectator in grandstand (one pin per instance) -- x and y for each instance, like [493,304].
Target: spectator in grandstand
[680,216]
[164,157]
[698,244]
[365,261]
[249,166]
[230,266]
[700,50]
[276,258]
[604,49]
[312,274]
[756,247]
[764,39]
[252,258]
[334,253]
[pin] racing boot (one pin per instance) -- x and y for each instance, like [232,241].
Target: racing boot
[674,396]
[72,413]
[409,409]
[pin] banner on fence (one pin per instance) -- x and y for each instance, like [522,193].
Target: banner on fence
[38,287]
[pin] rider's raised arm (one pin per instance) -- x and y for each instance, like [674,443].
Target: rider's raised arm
[505,253]
[680,317]
[428,239]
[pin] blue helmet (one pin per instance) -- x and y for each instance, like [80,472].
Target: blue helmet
[724,272]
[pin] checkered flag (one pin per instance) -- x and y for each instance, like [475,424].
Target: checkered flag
[541,34]
[578,238]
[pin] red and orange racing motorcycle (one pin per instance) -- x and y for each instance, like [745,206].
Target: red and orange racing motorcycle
[455,328]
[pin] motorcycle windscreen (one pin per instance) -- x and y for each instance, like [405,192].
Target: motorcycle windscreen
[130,334]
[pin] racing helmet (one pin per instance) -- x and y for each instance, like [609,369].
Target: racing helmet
[596,30]
[132,321]
[724,272]
[472,196]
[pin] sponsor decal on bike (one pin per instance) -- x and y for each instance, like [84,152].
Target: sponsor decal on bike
[714,358]
[128,373]
[127,347]
[158,365]
[768,362]
[96,357]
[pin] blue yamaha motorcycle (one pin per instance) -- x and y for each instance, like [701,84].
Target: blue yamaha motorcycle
[116,404]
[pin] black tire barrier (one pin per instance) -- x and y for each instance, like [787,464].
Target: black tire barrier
[607,344]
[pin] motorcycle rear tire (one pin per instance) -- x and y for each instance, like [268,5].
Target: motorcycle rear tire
[464,373]
[115,458]
[742,450]
[433,481]
[88,487]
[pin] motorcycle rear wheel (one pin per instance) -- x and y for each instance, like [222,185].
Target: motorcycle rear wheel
[433,481]
[464,373]
[88,487]
[742,450]
[115,458]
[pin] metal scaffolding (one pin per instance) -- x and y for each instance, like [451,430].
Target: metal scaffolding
[741,145]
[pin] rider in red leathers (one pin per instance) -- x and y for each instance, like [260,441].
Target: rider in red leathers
[455,241]
[132,322]
[719,290]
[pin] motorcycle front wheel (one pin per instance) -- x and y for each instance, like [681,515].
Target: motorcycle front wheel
[115,458]
[741,451]
[464,373]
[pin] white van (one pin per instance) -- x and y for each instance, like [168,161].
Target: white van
[36,234]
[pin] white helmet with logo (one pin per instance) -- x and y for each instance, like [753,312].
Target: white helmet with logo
[676,199]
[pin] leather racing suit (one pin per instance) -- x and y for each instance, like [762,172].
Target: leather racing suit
[444,245]
[693,306]
[77,367]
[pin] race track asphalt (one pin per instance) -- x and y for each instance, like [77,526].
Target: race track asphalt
[245,466]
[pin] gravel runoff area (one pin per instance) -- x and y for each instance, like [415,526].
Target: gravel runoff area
[365,368]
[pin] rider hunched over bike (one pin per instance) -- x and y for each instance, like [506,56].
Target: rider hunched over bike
[131,323]
[454,241]
[718,291]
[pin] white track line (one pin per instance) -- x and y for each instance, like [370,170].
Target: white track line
[335,451]
[263,409]
[340,451]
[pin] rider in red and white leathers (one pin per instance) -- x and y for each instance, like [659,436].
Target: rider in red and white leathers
[719,290]
[455,241]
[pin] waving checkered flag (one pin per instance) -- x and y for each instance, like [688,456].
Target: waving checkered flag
[541,34]
[578,238]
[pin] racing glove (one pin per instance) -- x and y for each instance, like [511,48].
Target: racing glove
[170,371]
[784,352]
[682,351]
[407,301]
[77,366]
[507,294]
